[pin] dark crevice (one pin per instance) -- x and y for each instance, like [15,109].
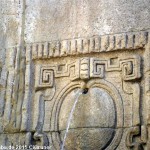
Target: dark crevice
[85,91]
[88,128]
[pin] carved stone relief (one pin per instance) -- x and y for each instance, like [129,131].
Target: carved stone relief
[112,114]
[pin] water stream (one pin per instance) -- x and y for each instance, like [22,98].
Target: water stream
[80,92]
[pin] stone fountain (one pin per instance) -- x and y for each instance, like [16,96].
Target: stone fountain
[75,75]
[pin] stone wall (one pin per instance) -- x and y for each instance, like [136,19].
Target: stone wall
[51,49]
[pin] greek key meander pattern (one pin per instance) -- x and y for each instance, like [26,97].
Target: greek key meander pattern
[87,68]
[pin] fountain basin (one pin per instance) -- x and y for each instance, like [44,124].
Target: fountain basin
[93,121]
[88,138]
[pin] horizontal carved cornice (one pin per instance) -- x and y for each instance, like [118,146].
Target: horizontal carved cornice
[96,44]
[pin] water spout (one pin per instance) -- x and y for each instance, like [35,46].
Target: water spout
[80,92]
[85,91]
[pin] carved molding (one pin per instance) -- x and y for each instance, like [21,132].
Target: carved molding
[134,89]
[130,67]
[98,44]
[86,68]
[137,137]
[147,83]
[100,84]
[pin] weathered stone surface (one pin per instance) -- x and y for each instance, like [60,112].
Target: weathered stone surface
[95,138]
[94,109]
[67,19]
[50,50]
